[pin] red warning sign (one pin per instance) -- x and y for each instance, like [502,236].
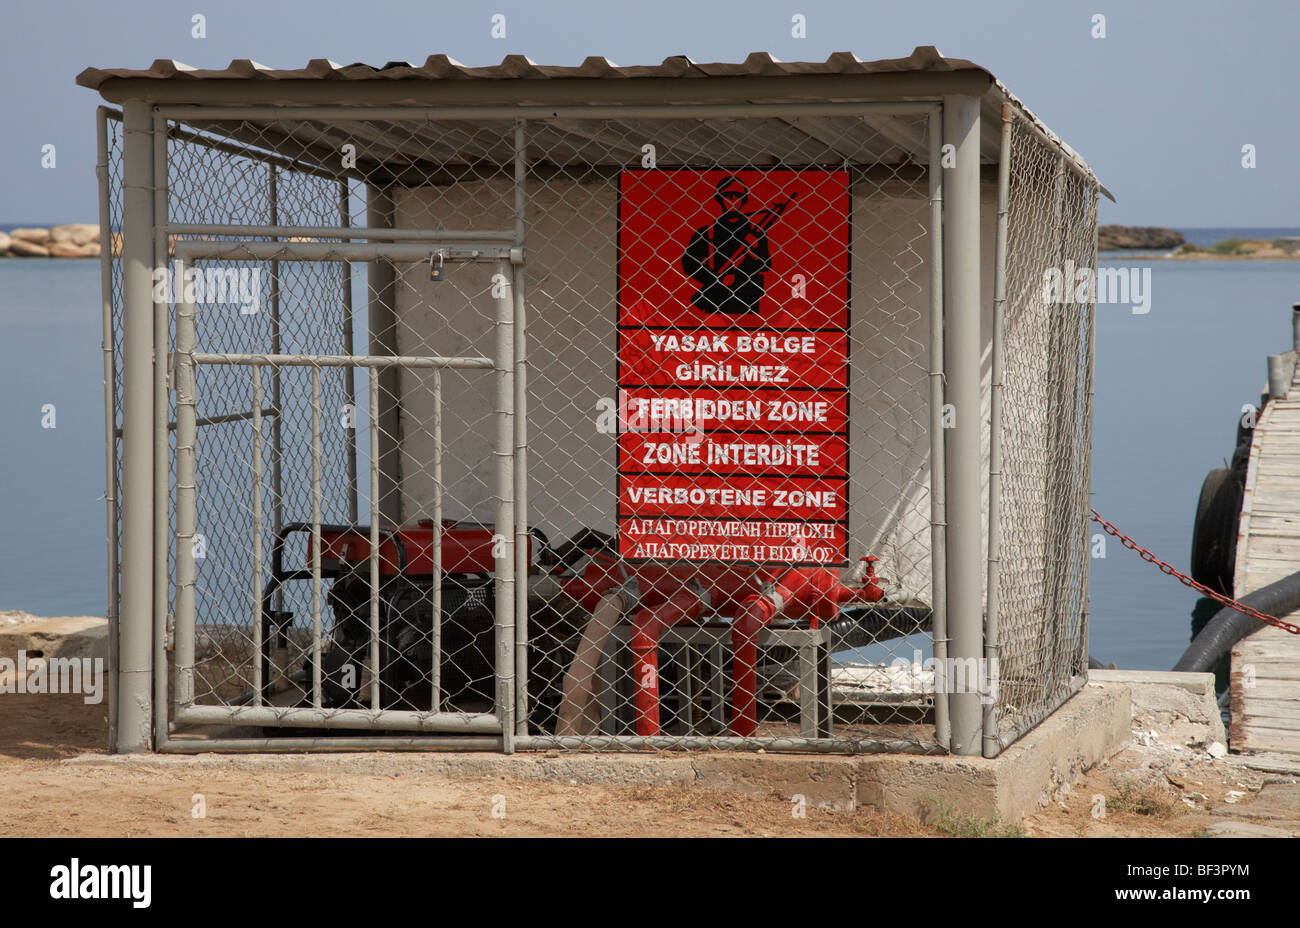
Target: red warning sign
[751,453]
[733,303]
[732,358]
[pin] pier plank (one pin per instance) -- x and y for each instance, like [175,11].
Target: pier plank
[1264,686]
[1280,719]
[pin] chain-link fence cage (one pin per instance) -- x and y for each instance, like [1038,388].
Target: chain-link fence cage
[108,169]
[354,419]
[688,688]
[1046,431]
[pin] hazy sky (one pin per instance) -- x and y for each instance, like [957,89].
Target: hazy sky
[1160,107]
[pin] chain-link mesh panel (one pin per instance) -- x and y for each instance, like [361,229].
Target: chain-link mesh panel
[663,660]
[846,671]
[1046,431]
[215,182]
[268,307]
[111,239]
[309,321]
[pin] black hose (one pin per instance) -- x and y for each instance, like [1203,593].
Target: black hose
[1230,626]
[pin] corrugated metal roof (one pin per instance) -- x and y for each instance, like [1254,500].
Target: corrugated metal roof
[515,67]
[519,67]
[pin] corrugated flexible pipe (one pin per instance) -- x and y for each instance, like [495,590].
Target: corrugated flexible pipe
[579,712]
[1230,626]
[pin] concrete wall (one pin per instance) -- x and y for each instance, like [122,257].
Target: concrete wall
[571,268]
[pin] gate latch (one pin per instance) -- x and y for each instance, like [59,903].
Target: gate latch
[435,270]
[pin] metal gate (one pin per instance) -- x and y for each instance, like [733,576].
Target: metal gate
[255,582]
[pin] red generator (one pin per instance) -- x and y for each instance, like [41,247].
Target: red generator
[408,637]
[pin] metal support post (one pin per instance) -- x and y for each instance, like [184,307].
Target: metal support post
[961,243]
[380,213]
[521,445]
[505,517]
[161,441]
[349,376]
[186,490]
[938,512]
[990,725]
[134,702]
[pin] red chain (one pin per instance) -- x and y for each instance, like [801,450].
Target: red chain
[1188,581]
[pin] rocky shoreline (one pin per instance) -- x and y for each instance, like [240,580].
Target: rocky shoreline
[74,240]
[1143,240]
[1250,249]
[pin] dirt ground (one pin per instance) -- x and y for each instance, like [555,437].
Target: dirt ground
[39,796]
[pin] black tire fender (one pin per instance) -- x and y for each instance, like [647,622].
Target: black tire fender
[1214,532]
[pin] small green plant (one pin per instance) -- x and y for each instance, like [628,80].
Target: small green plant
[1189,249]
[956,824]
[1229,246]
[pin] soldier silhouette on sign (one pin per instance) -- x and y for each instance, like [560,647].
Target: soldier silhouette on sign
[729,257]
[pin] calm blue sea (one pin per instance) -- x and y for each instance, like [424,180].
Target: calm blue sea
[52,555]
[1170,386]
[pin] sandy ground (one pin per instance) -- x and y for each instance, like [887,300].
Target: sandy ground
[40,796]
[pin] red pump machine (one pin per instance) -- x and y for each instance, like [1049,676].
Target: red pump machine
[659,597]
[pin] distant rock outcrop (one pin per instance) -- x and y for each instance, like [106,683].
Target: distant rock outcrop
[77,233]
[35,236]
[1115,238]
[75,240]
[25,249]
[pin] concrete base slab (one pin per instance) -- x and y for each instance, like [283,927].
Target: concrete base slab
[1088,729]
[1190,695]
[1197,684]
[1245,830]
[1275,802]
[1286,764]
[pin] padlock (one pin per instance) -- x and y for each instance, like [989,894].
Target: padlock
[435,270]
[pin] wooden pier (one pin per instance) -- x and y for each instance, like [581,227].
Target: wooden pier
[1265,676]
